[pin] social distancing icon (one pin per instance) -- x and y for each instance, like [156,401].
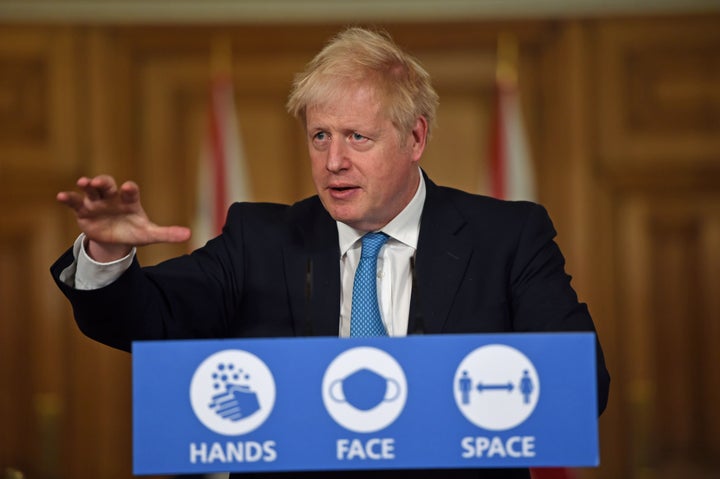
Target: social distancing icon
[496,387]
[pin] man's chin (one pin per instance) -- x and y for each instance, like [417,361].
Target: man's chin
[351,216]
[339,210]
[348,220]
[351,220]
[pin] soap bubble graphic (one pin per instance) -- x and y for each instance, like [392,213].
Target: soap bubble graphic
[235,400]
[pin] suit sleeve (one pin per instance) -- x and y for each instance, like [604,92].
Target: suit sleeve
[542,296]
[192,296]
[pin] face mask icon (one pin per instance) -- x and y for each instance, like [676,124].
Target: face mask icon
[364,389]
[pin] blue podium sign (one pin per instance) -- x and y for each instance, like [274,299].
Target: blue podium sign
[445,401]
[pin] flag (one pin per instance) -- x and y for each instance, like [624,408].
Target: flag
[511,173]
[552,473]
[222,173]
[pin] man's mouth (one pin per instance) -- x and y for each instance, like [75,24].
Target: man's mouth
[342,191]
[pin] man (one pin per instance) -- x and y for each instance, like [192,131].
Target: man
[453,262]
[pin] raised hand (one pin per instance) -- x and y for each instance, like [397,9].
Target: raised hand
[113,218]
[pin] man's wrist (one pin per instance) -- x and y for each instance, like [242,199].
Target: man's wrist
[105,253]
[90,274]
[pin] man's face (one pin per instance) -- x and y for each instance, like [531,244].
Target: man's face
[365,171]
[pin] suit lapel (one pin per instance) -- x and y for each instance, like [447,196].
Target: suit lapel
[312,270]
[441,260]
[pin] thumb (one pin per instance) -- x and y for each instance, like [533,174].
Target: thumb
[170,234]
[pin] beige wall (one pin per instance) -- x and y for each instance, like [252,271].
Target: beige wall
[624,121]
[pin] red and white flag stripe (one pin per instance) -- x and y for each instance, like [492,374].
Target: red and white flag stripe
[511,172]
[222,173]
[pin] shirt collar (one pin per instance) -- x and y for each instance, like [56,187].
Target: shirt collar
[405,227]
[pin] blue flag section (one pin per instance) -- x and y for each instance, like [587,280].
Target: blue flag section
[445,401]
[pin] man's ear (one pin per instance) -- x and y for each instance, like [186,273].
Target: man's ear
[419,135]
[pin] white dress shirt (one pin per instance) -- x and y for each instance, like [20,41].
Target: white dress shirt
[394,272]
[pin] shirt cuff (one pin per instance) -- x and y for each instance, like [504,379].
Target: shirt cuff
[87,274]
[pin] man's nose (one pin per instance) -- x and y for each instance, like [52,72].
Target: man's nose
[337,159]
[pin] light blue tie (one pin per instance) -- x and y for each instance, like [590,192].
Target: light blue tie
[365,319]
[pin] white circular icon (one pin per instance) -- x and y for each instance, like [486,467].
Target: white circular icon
[364,389]
[496,387]
[232,392]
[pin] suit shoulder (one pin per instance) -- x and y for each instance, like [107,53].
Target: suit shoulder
[485,208]
[273,213]
[247,208]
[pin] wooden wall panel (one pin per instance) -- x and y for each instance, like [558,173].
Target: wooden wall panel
[37,154]
[98,411]
[33,362]
[15,386]
[37,114]
[659,100]
[458,148]
[668,249]
[656,166]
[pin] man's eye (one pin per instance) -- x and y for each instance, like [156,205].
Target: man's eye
[358,137]
[320,136]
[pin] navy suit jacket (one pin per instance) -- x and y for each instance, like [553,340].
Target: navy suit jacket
[482,265]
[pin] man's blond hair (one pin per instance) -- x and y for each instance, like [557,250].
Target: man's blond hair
[362,57]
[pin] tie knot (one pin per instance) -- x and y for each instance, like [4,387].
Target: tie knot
[371,244]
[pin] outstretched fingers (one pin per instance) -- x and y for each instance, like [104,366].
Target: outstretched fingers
[100,187]
[130,192]
[112,215]
[70,198]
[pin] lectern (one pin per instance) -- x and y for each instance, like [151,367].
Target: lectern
[433,401]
